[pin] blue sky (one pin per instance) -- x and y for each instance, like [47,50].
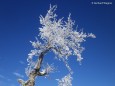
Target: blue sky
[19,23]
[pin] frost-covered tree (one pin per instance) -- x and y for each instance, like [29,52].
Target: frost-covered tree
[60,37]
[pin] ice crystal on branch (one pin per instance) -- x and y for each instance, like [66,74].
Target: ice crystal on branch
[48,68]
[65,81]
[59,36]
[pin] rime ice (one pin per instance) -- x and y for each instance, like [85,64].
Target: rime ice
[59,36]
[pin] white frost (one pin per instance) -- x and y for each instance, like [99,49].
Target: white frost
[48,68]
[65,81]
[60,37]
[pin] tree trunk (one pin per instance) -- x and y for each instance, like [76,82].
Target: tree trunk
[36,71]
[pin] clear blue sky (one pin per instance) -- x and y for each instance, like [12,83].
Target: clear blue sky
[19,23]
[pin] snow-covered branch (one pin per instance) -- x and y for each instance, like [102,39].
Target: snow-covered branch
[65,81]
[59,36]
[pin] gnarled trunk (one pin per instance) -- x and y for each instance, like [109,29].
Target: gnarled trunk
[36,71]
